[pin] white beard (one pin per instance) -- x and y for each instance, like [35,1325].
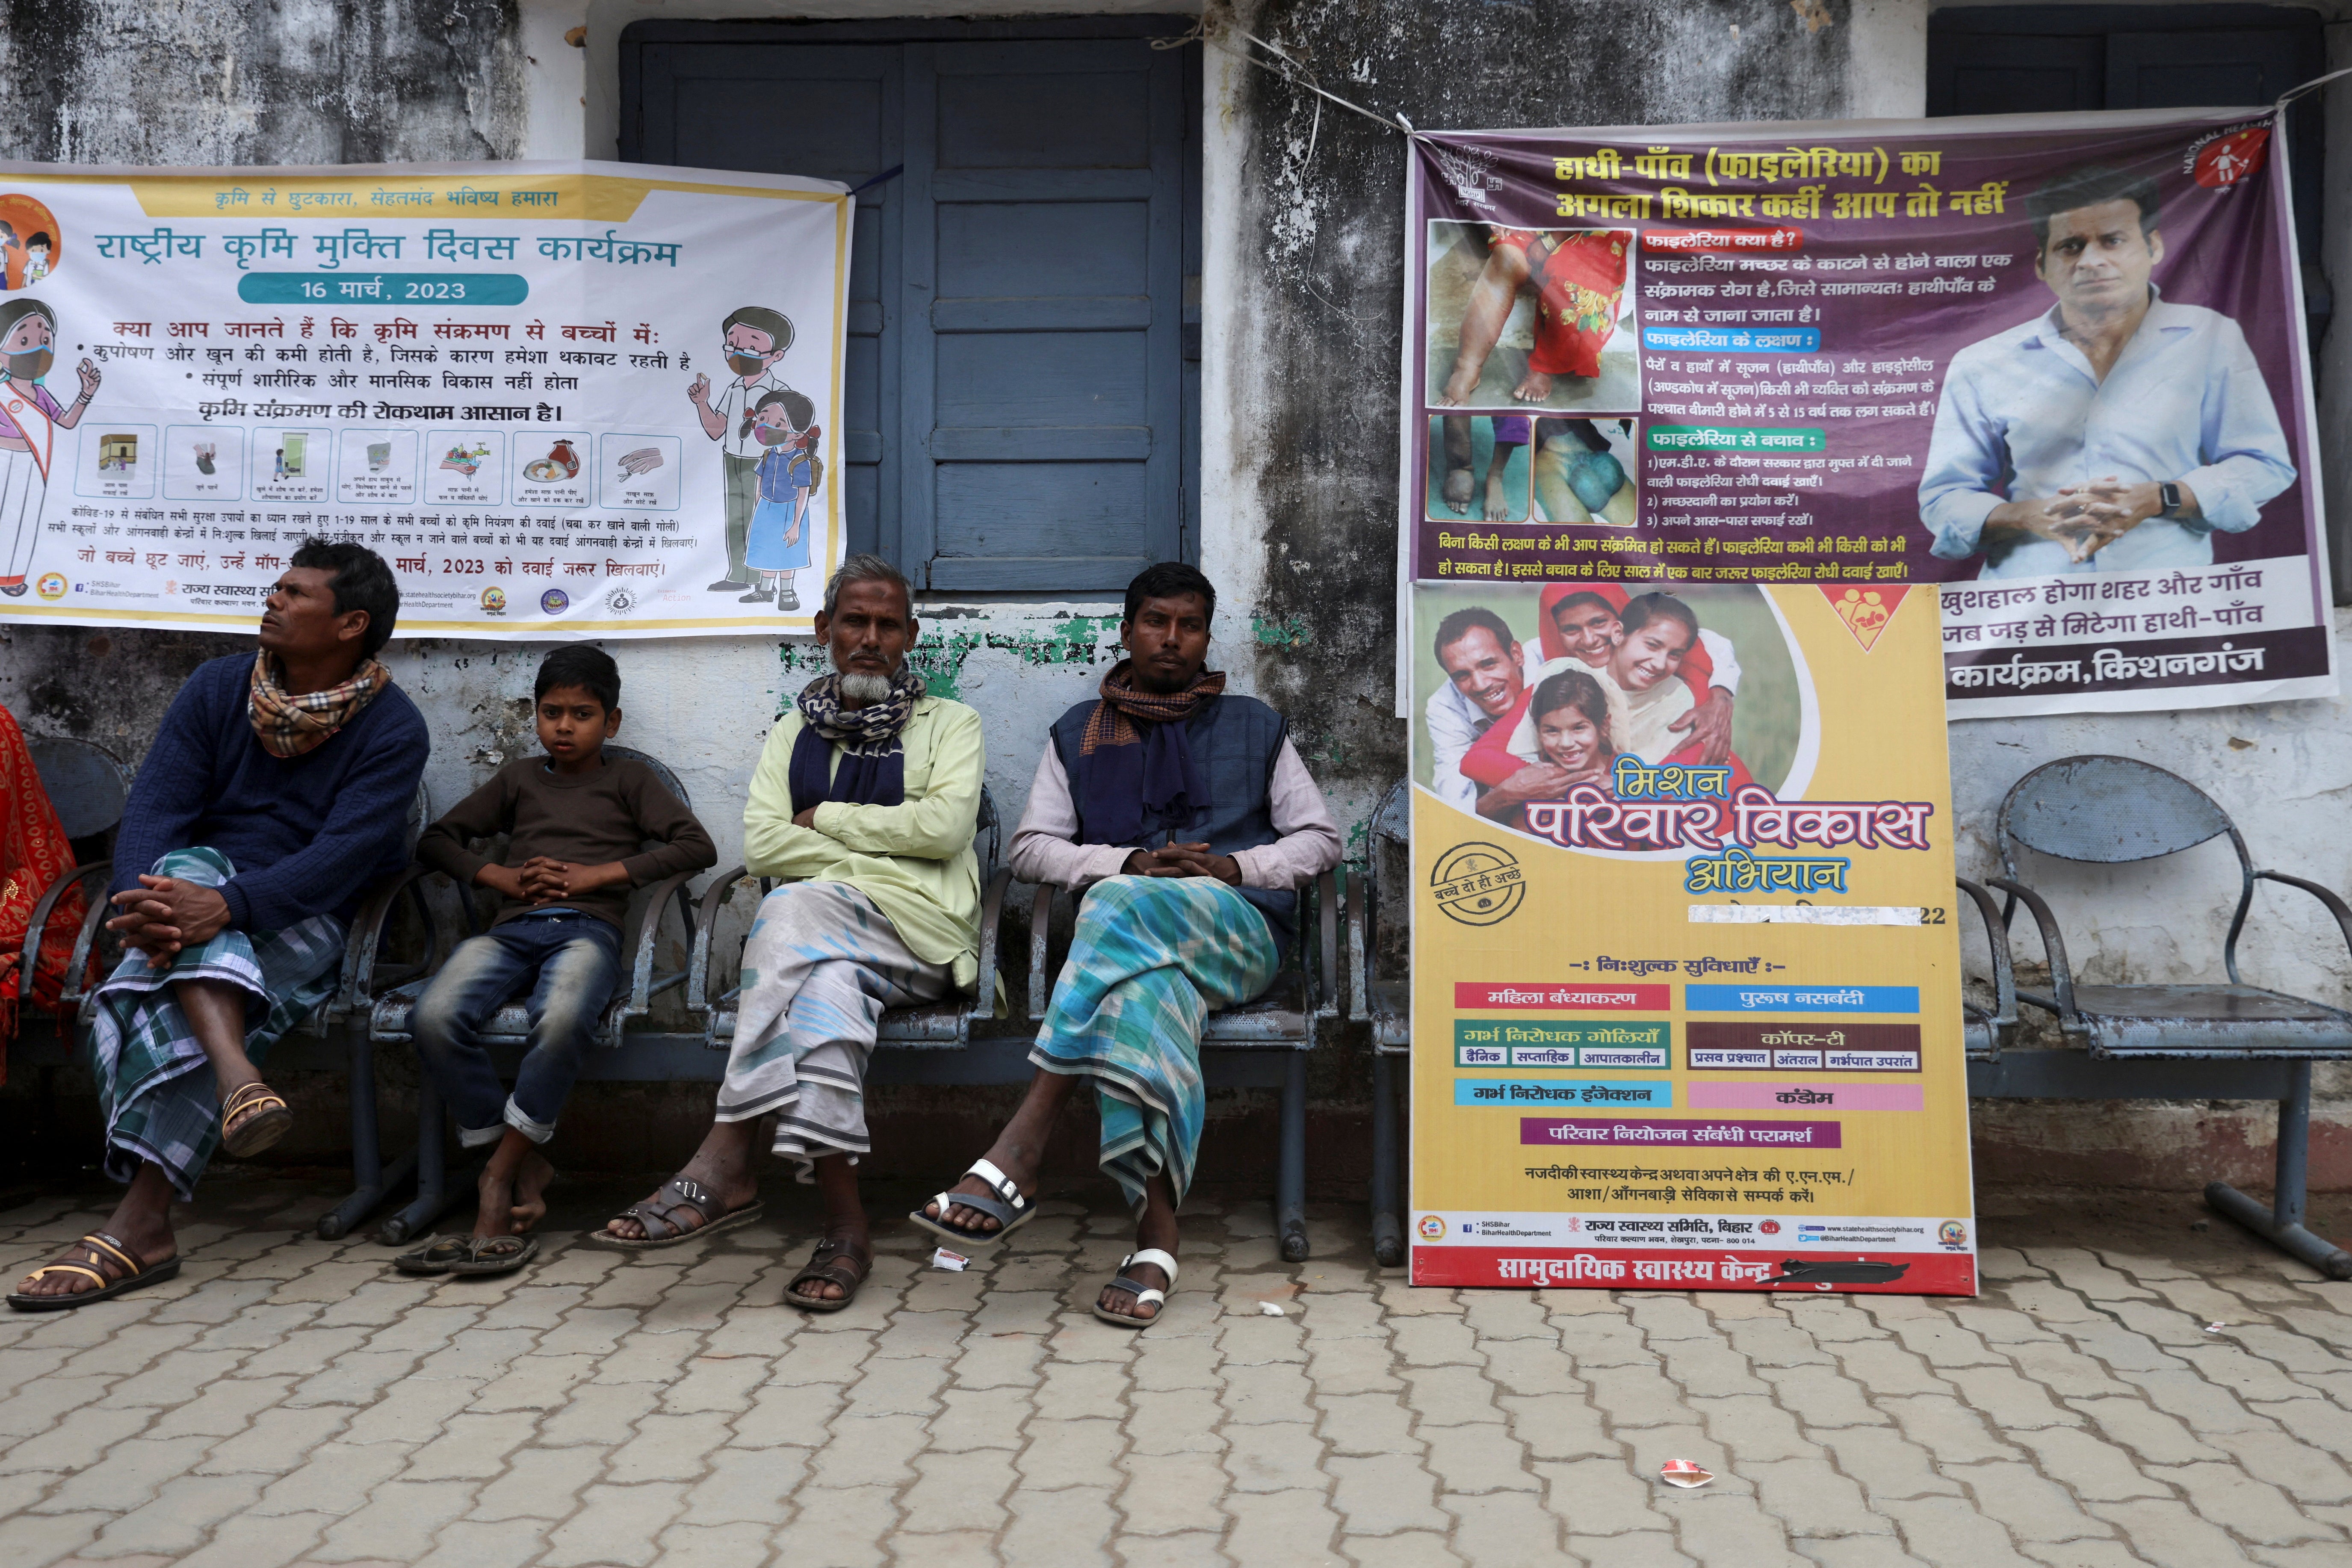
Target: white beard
[860,689]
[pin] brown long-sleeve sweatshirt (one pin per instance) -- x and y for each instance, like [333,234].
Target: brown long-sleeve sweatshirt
[587,819]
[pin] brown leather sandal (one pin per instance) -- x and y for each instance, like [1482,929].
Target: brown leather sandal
[253,1116]
[105,1252]
[837,1261]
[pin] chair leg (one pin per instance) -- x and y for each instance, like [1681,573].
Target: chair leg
[370,1181]
[2282,1224]
[1290,1186]
[1388,1223]
[434,1191]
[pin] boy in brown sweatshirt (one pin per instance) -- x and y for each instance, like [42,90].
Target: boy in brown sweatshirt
[577,823]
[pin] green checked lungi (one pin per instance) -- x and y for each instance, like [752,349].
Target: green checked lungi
[1151,957]
[154,1081]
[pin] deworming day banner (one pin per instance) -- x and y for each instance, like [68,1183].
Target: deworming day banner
[2054,364]
[558,397]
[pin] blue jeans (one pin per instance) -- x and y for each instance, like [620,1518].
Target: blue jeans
[578,959]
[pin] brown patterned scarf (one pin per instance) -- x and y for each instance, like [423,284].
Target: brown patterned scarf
[287,726]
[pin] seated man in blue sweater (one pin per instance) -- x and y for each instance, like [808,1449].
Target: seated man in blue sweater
[276,793]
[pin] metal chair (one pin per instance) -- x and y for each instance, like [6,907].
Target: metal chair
[1386,1007]
[940,1026]
[387,1002]
[87,785]
[2100,810]
[1278,1027]
[1386,1004]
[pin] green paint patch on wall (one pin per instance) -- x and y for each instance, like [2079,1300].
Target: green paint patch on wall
[1291,632]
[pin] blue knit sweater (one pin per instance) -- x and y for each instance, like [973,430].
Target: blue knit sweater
[308,835]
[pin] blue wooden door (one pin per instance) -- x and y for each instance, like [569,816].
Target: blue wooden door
[1021,390]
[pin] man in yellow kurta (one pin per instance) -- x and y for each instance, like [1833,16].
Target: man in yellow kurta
[866,797]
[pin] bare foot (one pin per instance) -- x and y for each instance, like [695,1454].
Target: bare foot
[859,1250]
[1458,483]
[1123,1303]
[1156,1228]
[531,1184]
[1462,385]
[1534,387]
[1498,504]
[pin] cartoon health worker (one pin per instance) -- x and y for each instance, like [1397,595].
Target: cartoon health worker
[755,338]
[30,422]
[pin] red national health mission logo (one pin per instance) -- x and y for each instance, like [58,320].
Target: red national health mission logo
[2226,160]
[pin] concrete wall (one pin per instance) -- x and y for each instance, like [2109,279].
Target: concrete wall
[1301,297]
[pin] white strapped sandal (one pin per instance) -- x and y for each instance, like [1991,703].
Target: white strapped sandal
[1160,1260]
[1008,1208]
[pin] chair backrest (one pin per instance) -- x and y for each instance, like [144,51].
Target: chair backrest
[420,812]
[86,783]
[661,771]
[2107,811]
[987,833]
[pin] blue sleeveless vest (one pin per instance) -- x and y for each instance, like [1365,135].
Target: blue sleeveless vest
[1234,742]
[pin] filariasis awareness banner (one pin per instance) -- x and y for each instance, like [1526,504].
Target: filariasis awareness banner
[558,397]
[2055,364]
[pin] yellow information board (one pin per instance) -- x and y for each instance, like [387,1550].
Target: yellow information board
[1691,1022]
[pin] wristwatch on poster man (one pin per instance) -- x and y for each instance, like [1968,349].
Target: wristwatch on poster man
[2168,498]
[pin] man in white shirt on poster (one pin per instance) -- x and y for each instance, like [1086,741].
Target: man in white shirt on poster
[755,339]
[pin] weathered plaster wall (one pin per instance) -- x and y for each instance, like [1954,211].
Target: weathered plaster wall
[1301,299]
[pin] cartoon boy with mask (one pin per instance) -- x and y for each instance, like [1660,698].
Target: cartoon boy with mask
[29,421]
[755,338]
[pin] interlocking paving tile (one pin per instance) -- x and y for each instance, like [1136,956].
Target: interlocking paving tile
[289,1401]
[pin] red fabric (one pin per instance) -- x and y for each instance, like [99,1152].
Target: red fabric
[1697,666]
[33,855]
[1578,286]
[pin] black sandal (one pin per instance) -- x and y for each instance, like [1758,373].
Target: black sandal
[837,1261]
[497,1254]
[659,1213]
[438,1255]
[266,1119]
[104,1251]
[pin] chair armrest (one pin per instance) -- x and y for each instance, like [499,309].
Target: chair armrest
[640,940]
[992,917]
[2335,906]
[1360,986]
[2054,944]
[697,961]
[357,988]
[38,924]
[1328,982]
[2004,970]
[1041,916]
[84,1003]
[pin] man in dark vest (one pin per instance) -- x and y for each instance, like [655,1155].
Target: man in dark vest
[1187,822]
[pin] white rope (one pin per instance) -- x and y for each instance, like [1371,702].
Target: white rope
[1288,67]
[2290,94]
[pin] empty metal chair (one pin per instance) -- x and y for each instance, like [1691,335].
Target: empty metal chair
[2112,811]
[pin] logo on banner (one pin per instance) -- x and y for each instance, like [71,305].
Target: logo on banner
[555,601]
[494,600]
[52,585]
[1432,1228]
[620,601]
[1864,611]
[1478,884]
[1952,1233]
[2222,160]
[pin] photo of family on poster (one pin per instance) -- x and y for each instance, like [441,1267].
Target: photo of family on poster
[1525,693]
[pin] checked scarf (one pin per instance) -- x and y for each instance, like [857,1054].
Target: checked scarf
[289,726]
[1134,770]
[873,768]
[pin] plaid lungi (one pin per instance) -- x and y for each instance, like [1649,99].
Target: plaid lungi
[1150,958]
[154,1081]
[820,967]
